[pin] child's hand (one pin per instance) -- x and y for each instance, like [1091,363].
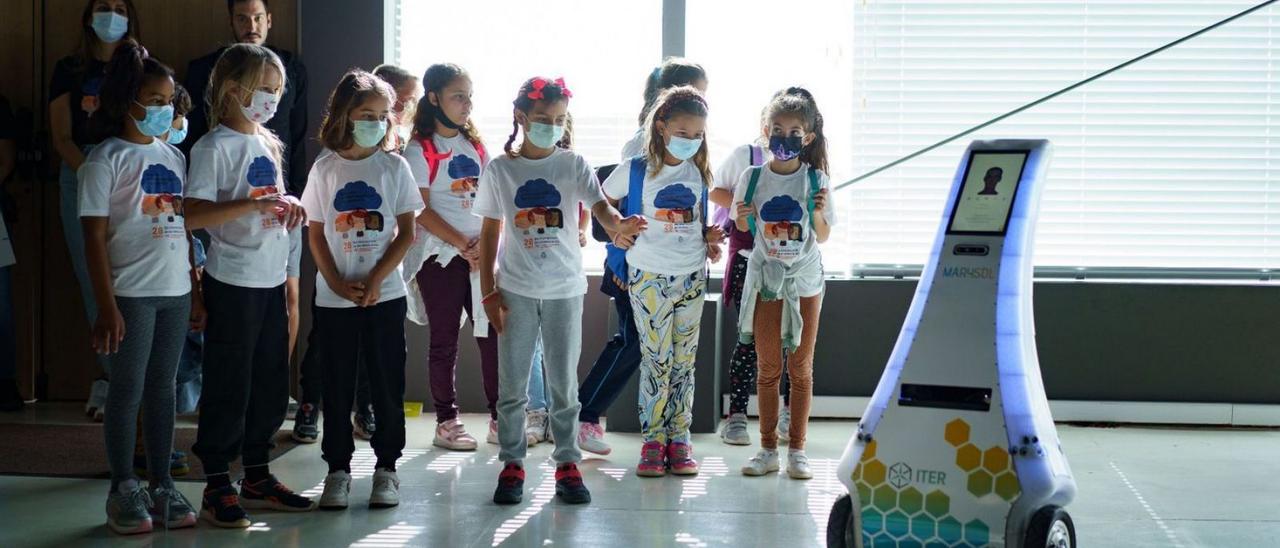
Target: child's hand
[623,241]
[714,252]
[472,254]
[820,201]
[745,210]
[714,235]
[199,315]
[582,239]
[108,330]
[372,292]
[294,214]
[349,291]
[496,310]
[633,225]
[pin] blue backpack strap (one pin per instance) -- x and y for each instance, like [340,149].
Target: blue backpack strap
[814,188]
[751,192]
[631,204]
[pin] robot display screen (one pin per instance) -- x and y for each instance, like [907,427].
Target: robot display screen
[986,197]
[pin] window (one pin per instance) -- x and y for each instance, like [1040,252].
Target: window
[1173,162]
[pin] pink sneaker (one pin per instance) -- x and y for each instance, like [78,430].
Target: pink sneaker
[680,459]
[591,439]
[452,436]
[653,460]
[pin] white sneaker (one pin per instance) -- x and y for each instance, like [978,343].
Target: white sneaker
[591,438]
[798,465]
[97,400]
[452,436]
[733,430]
[386,489]
[784,424]
[765,462]
[535,426]
[337,486]
[492,438]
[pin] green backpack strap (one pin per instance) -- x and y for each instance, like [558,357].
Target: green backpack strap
[751,192]
[814,189]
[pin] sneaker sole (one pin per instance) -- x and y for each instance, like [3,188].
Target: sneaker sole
[569,499]
[144,527]
[650,473]
[238,524]
[595,451]
[383,504]
[684,471]
[755,474]
[331,506]
[446,445]
[730,441]
[260,504]
[303,439]
[797,476]
[507,501]
[188,521]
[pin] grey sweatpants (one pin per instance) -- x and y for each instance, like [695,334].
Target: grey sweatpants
[142,374]
[559,322]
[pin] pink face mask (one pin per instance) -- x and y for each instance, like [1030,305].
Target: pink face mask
[261,108]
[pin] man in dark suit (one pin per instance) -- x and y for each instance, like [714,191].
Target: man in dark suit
[250,23]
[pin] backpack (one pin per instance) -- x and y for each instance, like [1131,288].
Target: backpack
[616,259]
[433,156]
[755,158]
[814,188]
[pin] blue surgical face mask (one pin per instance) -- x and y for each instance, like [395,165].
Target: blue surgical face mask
[368,133]
[544,135]
[683,148]
[110,26]
[786,147]
[157,121]
[177,136]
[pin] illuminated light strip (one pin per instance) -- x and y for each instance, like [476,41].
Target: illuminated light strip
[541,496]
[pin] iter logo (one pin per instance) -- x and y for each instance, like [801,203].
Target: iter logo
[899,475]
[981,273]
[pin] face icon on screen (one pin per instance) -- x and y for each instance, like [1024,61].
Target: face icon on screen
[992,178]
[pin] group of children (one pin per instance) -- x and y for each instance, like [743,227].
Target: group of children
[404,207]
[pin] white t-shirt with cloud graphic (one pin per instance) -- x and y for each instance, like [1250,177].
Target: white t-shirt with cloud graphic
[782,204]
[673,244]
[538,204]
[358,202]
[453,190]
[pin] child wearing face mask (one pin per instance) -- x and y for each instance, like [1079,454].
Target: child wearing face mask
[140,267]
[531,199]
[666,271]
[237,194]
[783,205]
[361,201]
[448,160]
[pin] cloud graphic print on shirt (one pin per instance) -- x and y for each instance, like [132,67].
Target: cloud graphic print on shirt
[162,201]
[262,180]
[465,174]
[89,95]
[538,217]
[782,228]
[358,220]
[674,209]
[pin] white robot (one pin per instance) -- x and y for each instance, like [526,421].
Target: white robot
[957,446]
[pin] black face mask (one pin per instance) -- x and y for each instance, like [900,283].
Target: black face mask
[786,148]
[445,121]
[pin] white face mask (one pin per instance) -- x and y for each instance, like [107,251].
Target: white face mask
[261,108]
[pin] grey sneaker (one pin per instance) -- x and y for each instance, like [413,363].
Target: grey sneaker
[535,429]
[733,430]
[798,465]
[128,509]
[171,507]
[784,424]
[765,462]
[337,485]
[386,489]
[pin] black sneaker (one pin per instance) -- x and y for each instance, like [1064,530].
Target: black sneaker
[270,494]
[306,424]
[220,506]
[510,485]
[569,486]
[363,424]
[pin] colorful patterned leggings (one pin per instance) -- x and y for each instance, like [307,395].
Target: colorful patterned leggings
[668,314]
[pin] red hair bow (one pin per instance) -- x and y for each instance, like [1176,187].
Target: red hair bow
[538,83]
